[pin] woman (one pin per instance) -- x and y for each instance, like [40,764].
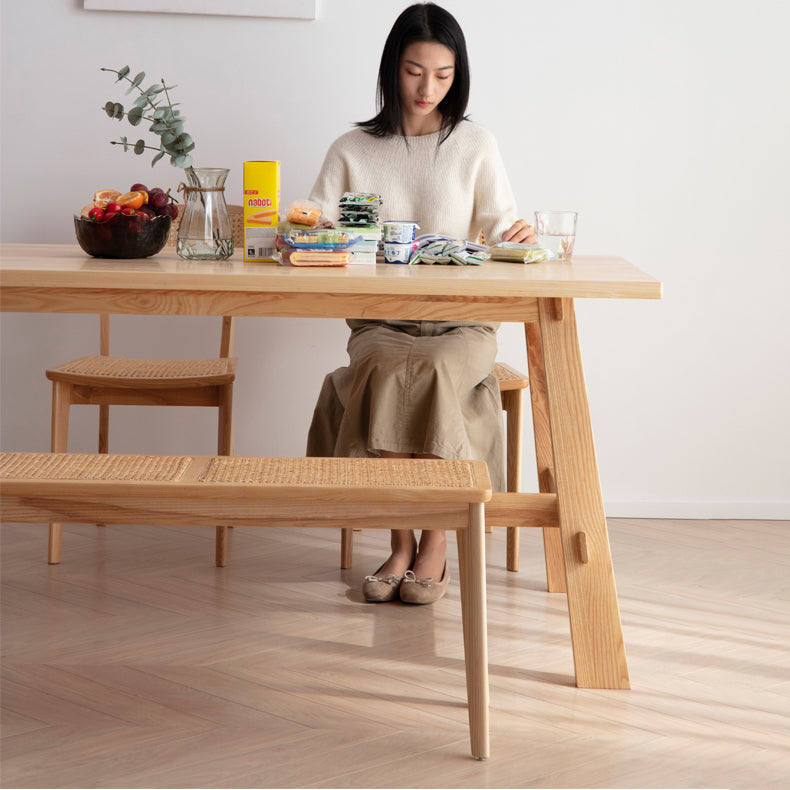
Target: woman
[420,389]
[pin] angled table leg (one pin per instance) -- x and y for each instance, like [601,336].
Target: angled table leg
[596,631]
[541,428]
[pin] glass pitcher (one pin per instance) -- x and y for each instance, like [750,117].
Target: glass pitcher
[205,232]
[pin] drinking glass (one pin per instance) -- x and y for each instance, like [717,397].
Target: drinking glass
[556,231]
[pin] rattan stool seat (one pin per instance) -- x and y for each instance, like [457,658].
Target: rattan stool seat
[99,370]
[509,378]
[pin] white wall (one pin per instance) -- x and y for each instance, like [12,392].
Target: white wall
[664,122]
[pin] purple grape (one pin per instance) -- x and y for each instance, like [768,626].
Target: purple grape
[169,210]
[158,200]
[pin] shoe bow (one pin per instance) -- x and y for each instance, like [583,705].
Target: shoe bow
[388,579]
[410,577]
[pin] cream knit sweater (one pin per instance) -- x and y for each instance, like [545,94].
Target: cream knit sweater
[456,190]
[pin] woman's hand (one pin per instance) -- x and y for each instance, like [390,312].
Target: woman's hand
[520,231]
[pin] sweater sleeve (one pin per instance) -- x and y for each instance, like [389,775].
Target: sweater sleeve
[495,206]
[332,182]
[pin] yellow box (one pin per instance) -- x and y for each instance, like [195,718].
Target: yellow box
[261,205]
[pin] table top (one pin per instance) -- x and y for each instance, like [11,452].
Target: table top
[65,266]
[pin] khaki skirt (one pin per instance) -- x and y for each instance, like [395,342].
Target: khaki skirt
[420,387]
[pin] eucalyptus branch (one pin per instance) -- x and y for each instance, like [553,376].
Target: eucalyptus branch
[166,121]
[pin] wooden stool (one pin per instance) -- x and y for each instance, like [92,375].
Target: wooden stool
[106,381]
[512,383]
[378,493]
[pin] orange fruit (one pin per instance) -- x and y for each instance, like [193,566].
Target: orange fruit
[104,196]
[132,199]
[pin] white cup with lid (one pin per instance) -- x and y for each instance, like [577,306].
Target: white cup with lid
[400,231]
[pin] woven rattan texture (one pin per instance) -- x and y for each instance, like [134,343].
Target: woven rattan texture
[236,223]
[79,466]
[115,367]
[381,472]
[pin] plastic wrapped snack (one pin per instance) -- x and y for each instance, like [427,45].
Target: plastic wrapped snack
[445,250]
[359,208]
[328,239]
[303,212]
[317,258]
[520,253]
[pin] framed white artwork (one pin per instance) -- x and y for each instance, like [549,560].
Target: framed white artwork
[283,9]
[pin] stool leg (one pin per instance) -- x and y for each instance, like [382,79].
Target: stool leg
[59,443]
[513,401]
[104,428]
[346,546]
[472,569]
[552,546]
[224,447]
[104,433]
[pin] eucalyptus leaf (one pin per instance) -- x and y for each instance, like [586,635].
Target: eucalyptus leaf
[157,158]
[124,144]
[117,111]
[139,146]
[181,161]
[135,115]
[182,140]
[109,108]
[122,72]
[136,82]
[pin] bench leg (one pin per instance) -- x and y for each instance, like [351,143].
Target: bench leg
[471,562]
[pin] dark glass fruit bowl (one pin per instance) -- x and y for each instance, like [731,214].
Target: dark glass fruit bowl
[134,236]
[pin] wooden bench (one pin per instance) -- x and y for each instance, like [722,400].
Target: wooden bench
[369,493]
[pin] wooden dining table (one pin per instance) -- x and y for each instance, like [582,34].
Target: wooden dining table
[60,278]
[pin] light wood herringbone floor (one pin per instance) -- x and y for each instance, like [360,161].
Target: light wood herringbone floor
[136,663]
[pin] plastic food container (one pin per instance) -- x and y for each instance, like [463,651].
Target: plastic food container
[397,252]
[400,231]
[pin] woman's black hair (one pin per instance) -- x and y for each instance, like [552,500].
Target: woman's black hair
[420,22]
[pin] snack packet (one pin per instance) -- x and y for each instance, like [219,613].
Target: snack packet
[519,252]
[304,212]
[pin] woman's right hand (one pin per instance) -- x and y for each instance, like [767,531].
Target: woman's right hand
[521,232]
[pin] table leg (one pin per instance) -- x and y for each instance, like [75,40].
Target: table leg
[596,631]
[541,429]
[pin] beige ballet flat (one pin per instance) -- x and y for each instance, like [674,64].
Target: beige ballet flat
[379,589]
[414,590]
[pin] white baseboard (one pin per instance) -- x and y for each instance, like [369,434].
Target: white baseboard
[751,511]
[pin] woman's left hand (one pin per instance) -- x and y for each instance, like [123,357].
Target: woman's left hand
[520,231]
